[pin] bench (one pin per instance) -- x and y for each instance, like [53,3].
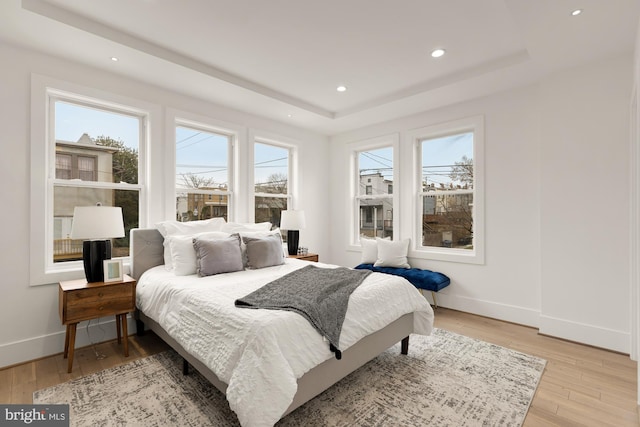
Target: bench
[421,279]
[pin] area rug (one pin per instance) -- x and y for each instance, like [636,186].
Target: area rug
[446,380]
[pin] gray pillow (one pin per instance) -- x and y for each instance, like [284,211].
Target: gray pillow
[218,256]
[264,251]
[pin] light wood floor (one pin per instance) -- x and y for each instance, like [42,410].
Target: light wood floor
[581,385]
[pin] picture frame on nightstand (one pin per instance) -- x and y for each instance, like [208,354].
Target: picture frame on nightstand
[112,270]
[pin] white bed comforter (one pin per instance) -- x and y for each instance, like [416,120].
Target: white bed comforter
[260,354]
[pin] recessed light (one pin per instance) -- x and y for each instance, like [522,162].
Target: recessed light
[114,59]
[341,88]
[289,115]
[437,53]
[576,12]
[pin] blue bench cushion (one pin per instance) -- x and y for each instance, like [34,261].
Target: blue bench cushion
[423,279]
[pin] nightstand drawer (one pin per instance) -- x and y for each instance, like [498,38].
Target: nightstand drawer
[97,302]
[102,293]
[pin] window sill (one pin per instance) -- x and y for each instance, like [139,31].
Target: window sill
[463,256]
[72,270]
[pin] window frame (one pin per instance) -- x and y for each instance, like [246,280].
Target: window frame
[415,138]
[45,92]
[355,148]
[175,117]
[209,126]
[268,138]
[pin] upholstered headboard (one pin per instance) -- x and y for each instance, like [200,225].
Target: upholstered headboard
[147,250]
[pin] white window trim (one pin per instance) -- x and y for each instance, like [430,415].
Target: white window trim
[268,138]
[393,141]
[414,139]
[207,124]
[42,270]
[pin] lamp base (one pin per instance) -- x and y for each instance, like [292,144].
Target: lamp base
[293,237]
[93,253]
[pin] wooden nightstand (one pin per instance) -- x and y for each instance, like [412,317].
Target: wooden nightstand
[79,301]
[307,257]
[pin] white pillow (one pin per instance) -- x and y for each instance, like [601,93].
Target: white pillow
[239,227]
[261,233]
[172,228]
[369,250]
[392,253]
[182,252]
[168,263]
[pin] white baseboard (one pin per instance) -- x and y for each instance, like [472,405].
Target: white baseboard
[573,331]
[509,313]
[586,334]
[46,345]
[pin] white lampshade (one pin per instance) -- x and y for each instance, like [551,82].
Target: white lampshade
[292,220]
[97,222]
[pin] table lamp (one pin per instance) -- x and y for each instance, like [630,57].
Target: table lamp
[292,221]
[97,224]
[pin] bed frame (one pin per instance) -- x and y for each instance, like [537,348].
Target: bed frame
[147,251]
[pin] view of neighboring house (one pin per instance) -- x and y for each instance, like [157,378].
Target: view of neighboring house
[195,206]
[376,213]
[213,202]
[83,160]
[271,198]
[447,219]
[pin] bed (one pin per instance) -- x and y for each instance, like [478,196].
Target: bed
[269,362]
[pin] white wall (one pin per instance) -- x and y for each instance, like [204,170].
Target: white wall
[556,205]
[584,204]
[29,322]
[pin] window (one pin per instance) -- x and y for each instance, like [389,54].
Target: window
[373,177]
[74,166]
[202,182]
[87,147]
[86,168]
[449,221]
[96,163]
[272,189]
[447,191]
[63,166]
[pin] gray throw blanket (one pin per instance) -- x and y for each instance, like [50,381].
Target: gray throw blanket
[321,295]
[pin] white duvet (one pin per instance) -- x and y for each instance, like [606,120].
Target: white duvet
[260,354]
